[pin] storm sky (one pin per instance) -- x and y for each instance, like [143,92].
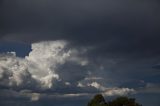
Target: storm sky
[62,52]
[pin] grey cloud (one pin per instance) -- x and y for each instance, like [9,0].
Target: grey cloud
[123,28]
[68,19]
[156,66]
[150,88]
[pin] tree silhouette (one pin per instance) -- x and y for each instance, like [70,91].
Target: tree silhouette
[124,101]
[99,100]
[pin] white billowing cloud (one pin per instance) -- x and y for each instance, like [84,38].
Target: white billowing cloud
[14,71]
[39,69]
[119,91]
[67,83]
[97,86]
[44,59]
[80,85]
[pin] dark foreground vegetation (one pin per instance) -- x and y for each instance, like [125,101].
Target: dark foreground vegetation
[99,100]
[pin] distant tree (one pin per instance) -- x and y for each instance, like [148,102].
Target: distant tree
[99,100]
[124,101]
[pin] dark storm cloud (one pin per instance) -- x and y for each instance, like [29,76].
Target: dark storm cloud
[113,26]
[157,66]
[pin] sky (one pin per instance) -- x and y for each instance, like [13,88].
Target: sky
[63,52]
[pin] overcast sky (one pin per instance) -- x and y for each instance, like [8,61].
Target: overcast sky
[62,52]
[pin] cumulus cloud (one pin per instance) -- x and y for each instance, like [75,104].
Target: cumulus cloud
[52,66]
[119,91]
[44,59]
[39,69]
[97,86]
[14,71]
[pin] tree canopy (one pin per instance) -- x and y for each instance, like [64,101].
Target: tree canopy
[98,100]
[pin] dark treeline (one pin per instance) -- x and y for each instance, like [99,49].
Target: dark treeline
[99,100]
